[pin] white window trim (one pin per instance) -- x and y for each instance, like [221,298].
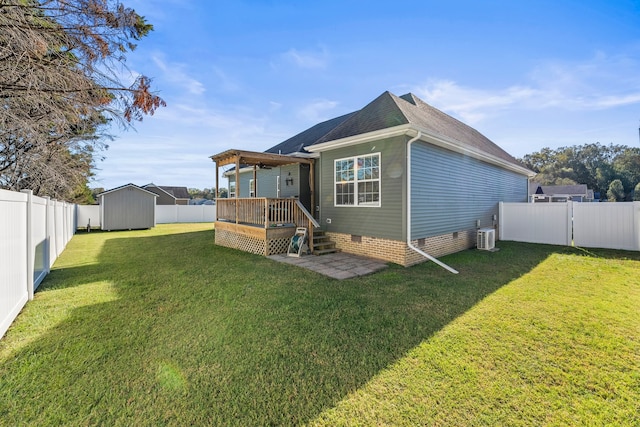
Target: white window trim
[355,182]
[252,188]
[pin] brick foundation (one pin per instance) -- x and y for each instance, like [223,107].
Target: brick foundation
[399,252]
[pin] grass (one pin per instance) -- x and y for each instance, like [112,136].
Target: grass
[162,327]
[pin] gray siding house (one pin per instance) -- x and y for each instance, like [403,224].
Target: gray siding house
[169,195]
[559,193]
[128,207]
[399,177]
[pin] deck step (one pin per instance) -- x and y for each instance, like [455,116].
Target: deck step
[326,251]
[322,244]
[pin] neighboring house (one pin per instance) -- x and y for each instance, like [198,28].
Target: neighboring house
[169,195]
[394,179]
[560,193]
[202,202]
[128,207]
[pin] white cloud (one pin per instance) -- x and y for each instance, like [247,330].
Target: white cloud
[590,85]
[274,106]
[227,83]
[175,73]
[472,105]
[317,111]
[232,123]
[308,59]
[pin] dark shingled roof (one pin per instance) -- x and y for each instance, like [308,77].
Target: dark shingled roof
[551,190]
[177,192]
[434,120]
[388,111]
[296,143]
[381,113]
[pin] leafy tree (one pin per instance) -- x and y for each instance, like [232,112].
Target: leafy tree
[615,193]
[96,191]
[595,165]
[207,193]
[61,85]
[83,196]
[636,193]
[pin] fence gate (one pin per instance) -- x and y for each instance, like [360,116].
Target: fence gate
[589,225]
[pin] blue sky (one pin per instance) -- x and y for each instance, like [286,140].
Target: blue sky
[250,74]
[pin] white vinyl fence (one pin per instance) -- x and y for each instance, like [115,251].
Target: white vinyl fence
[165,214]
[33,232]
[88,215]
[589,225]
[185,213]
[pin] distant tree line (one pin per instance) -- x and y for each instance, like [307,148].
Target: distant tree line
[611,170]
[63,81]
[207,193]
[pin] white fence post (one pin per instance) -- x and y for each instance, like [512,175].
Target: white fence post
[636,223]
[30,246]
[47,228]
[569,223]
[500,219]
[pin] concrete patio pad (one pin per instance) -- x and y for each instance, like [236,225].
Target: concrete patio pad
[338,265]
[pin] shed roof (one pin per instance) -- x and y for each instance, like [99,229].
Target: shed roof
[125,186]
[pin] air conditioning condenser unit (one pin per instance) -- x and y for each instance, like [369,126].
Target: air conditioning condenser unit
[486,240]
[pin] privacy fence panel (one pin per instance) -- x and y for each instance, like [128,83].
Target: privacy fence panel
[166,214]
[33,232]
[39,239]
[548,223]
[13,256]
[607,225]
[88,215]
[589,225]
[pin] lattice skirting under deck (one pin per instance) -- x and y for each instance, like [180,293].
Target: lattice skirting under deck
[241,242]
[251,244]
[278,246]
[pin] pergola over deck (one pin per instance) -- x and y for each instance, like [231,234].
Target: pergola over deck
[258,224]
[257,160]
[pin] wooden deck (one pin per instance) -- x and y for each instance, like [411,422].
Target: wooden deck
[260,225]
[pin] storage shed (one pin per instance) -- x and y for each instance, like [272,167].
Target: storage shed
[128,207]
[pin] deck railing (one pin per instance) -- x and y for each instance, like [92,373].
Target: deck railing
[265,212]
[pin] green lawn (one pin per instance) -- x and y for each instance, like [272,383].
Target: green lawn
[162,327]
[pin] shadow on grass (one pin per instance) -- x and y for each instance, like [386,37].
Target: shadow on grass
[204,335]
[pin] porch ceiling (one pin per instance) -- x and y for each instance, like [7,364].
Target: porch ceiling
[233,157]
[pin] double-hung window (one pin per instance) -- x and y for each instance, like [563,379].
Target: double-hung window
[357,181]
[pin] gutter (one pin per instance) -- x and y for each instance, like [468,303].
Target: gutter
[424,254]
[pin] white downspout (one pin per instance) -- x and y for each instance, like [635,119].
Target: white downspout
[424,254]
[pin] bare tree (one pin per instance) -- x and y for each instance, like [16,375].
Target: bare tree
[62,83]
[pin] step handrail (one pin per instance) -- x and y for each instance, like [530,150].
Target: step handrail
[306,213]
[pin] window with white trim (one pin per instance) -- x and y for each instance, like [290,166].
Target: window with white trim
[252,188]
[357,181]
[232,189]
